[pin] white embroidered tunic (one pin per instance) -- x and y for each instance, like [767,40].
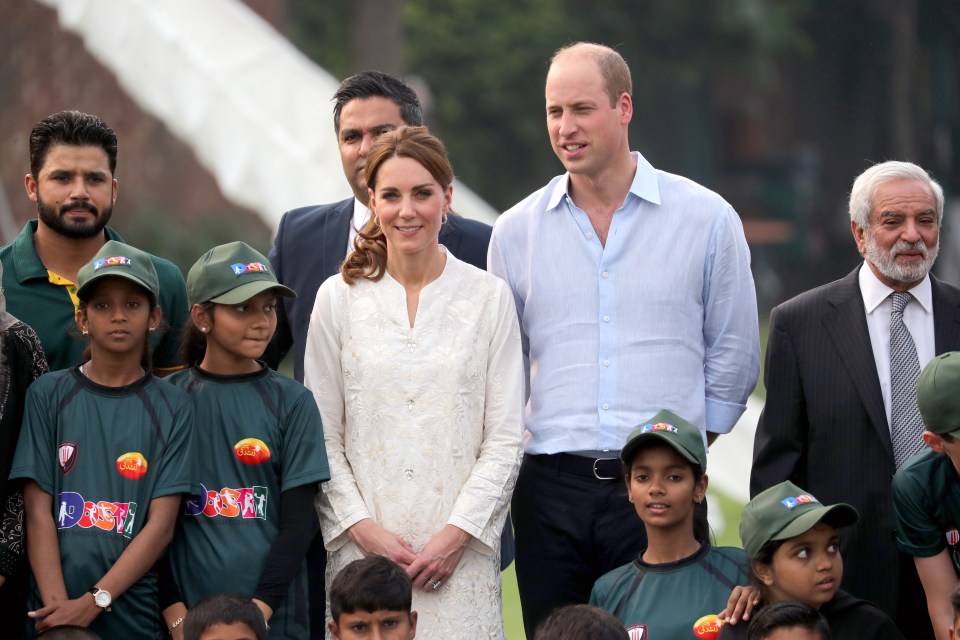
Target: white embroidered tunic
[422,427]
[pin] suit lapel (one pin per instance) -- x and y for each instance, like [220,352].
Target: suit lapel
[946,317]
[450,235]
[846,325]
[336,232]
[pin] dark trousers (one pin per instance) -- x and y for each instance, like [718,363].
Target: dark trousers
[912,617]
[570,528]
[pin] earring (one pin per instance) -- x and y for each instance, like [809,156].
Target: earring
[698,499]
[83,331]
[153,328]
[203,329]
[445,216]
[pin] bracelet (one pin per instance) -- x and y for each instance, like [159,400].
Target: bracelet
[176,624]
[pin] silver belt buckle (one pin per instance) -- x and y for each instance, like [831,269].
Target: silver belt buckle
[597,475]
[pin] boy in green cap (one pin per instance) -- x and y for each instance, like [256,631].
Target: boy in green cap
[926,491]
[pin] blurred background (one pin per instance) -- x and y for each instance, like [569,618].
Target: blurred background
[222,109]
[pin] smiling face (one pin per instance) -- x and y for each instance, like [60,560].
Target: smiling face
[807,568]
[237,334]
[117,316]
[587,132]
[362,121]
[379,625]
[663,489]
[903,239]
[410,205]
[74,190]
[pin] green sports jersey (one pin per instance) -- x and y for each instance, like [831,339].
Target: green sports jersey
[662,601]
[47,303]
[926,497]
[256,436]
[104,453]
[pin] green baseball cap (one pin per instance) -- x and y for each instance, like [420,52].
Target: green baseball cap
[120,260]
[230,274]
[784,511]
[938,394]
[675,431]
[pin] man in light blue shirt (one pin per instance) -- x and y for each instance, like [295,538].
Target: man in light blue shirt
[634,293]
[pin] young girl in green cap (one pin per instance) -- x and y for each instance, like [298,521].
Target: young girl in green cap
[794,550]
[260,442]
[679,578]
[105,455]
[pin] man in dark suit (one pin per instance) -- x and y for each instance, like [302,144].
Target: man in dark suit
[313,241]
[833,421]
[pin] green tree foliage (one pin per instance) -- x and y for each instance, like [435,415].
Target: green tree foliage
[485,62]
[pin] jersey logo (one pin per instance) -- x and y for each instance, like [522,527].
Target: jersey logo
[246,502]
[803,498]
[637,632]
[74,511]
[251,451]
[67,456]
[953,537]
[708,627]
[132,465]
[251,267]
[660,426]
[112,262]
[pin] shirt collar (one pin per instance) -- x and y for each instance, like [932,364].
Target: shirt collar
[26,262]
[645,184]
[874,291]
[361,214]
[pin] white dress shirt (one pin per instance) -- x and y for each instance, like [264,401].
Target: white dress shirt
[917,315]
[361,216]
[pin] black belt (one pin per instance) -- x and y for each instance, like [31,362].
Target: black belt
[598,468]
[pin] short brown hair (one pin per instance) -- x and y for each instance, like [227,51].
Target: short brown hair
[613,68]
[369,257]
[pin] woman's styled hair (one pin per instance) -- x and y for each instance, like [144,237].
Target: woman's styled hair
[369,256]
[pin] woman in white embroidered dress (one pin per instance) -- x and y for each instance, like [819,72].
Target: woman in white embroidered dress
[414,358]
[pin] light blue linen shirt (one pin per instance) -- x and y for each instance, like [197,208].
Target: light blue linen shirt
[663,317]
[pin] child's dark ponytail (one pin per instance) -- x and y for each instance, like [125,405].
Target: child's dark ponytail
[193,342]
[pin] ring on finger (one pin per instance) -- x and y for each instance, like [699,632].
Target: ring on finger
[435,584]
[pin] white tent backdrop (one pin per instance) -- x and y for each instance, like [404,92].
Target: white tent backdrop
[256,112]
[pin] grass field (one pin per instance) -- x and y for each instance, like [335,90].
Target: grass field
[725,520]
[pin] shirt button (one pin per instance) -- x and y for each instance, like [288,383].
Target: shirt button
[410,404]
[411,345]
[606,318]
[408,473]
[589,235]
[606,363]
[605,405]
[605,274]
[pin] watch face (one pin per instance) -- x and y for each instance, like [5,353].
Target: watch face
[102,598]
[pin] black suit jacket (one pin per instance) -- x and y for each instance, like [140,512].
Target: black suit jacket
[824,426]
[309,248]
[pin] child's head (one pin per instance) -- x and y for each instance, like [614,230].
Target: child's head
[232,292]
[939,404]
[793,544]
[788,621]
[224,616]
[664,466]
[373,592]
[118,292]
[578,621]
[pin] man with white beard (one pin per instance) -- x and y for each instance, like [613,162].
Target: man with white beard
[841,369]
